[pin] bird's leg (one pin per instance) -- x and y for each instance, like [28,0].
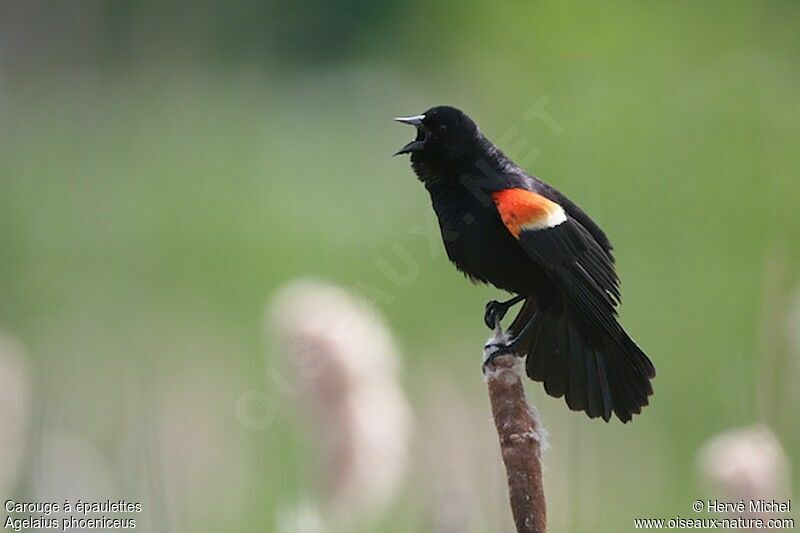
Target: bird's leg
[495,311]
[499,343]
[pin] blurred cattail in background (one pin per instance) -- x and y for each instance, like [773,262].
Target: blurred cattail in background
[749,463]
[203,461]
[792,370]
[345,371]
[777,396]
[793,323]
[465,487]
[15,401]
[746,464]
[69,466]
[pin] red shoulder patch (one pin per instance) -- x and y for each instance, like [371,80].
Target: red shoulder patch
[522,210]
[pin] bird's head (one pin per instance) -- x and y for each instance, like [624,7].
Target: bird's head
[444,134]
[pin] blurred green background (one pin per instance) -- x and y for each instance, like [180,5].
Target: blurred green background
[166,166]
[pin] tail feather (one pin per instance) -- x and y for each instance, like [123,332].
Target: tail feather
[558,370]
[598,372]
[594,393]
[577,390]
[602,375]
[627,401]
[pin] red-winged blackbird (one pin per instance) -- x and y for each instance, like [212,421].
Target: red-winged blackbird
[503,226]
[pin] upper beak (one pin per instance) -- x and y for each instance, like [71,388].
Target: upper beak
[416,120]
[417,144]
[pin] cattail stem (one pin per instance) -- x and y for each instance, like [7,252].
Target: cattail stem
[521,442]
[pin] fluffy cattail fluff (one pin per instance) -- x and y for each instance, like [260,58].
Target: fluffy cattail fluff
[746,464]
[14,410]
[345,368]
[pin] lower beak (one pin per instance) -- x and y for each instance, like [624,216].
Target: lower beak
[413,146]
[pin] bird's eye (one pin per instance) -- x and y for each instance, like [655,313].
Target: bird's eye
[441,130]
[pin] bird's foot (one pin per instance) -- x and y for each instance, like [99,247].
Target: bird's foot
[495,311]
[501,343]
[494,350]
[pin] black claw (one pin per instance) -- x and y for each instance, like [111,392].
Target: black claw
[494,314]
[511,346]
[496,311]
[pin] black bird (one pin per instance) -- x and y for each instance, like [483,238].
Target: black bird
[500,225]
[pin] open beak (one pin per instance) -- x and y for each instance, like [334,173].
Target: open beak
[417,144]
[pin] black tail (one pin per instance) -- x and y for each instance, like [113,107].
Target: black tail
[598,372]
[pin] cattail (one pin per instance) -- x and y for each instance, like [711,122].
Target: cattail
[793,322]
[792,370]
[746,464]
[14,410]
[462,490]
[345,367]
[302,518]
[68,466]
[203,464]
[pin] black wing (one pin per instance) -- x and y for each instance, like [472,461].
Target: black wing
[577,347]
[578,214]
[580,267]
